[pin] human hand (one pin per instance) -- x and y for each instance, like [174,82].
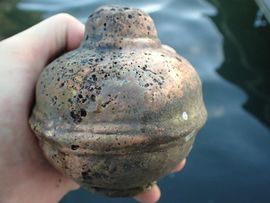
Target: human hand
[24,173]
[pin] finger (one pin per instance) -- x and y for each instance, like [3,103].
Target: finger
[150,196]
[180,166]
[42,42]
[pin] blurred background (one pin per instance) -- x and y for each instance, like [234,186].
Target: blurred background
[228,42]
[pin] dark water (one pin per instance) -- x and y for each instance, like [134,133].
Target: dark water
[229,46]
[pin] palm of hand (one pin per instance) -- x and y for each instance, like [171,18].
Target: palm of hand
[22,165]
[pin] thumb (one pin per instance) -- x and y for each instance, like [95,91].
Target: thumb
[39,44]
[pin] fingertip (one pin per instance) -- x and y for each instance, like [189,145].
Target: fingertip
[151,196]
[74,30]
[179,166]
[71,30]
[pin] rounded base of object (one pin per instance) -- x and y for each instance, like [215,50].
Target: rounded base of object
[128,192]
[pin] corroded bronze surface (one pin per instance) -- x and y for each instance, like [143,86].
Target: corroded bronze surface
[120,111]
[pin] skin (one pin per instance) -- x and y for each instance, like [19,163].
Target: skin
[24,173]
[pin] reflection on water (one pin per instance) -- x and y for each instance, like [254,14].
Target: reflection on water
[81,8]
[230,160]
[247,53]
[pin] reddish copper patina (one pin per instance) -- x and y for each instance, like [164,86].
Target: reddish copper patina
[120,111]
